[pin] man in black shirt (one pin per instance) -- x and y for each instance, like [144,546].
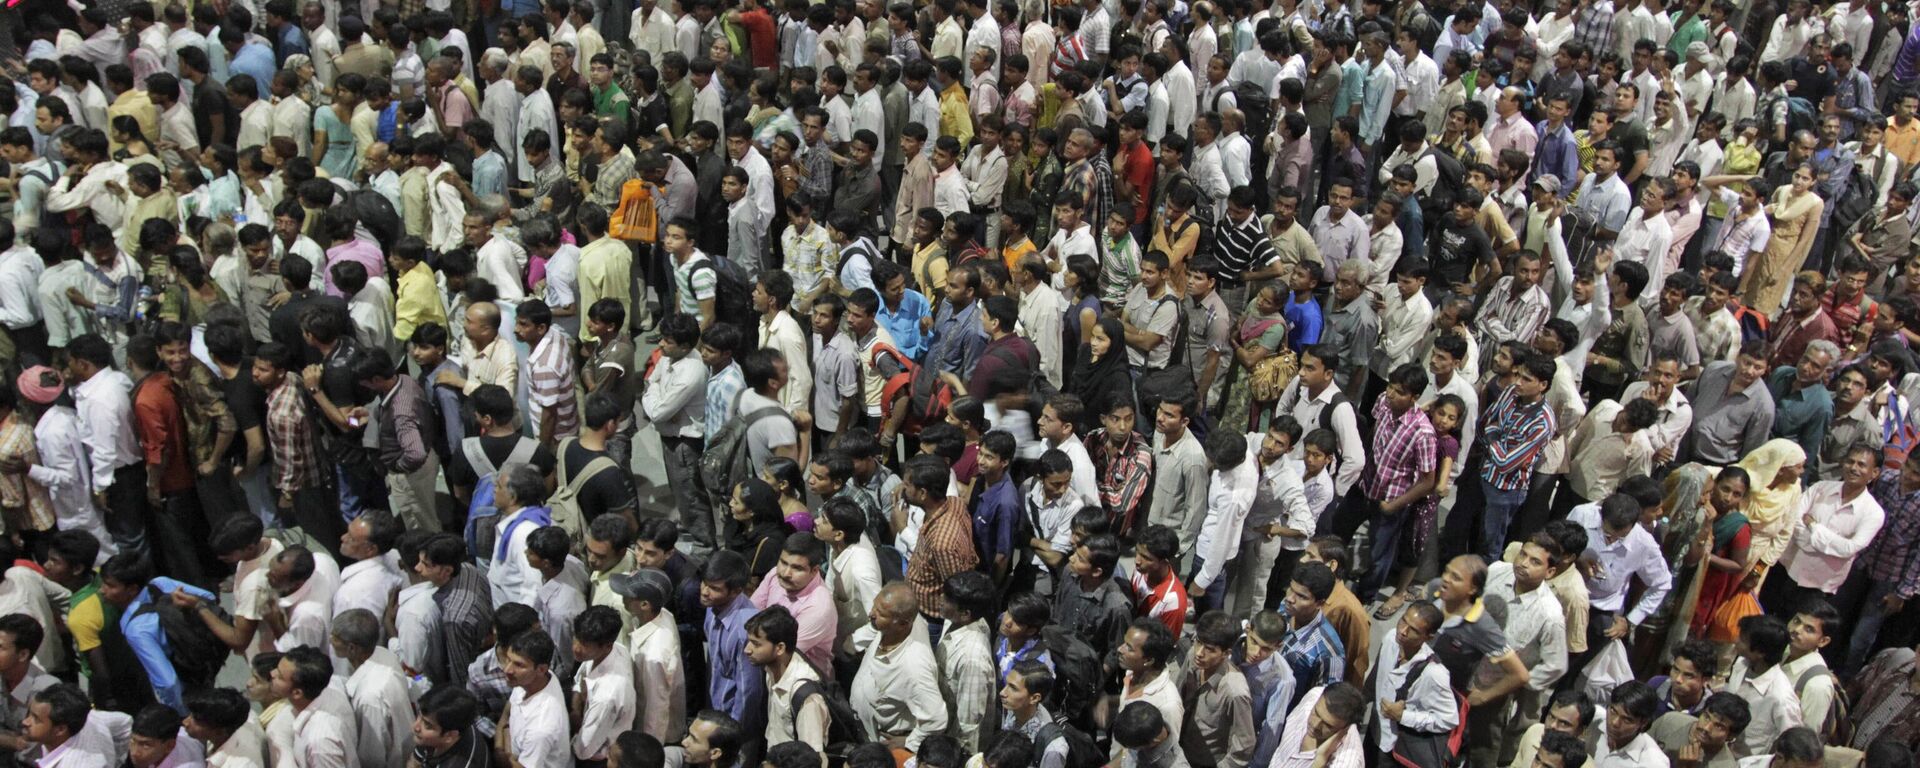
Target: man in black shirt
[1458,245]
[600,489]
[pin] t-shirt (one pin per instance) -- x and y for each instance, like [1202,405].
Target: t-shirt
[693,283]
[249,407]
[608,491]
[210,99]
[1457,248]
[769,433]
[1632,137]
[88,619]
[497,449]
[1159,316]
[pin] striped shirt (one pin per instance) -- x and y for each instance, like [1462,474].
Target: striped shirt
[1404,449]
[1515,435]
[1315,654]
[466,616]
[692,285]
[1594,26]
[1891,557]
[944,549]
[1240,247]
[1165,602]
[550,384]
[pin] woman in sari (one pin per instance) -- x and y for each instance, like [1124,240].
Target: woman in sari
[1796,218]
[1082,278]
[1260,335]
[1774,495]
[1720,550]
[767,116]
[1100,377]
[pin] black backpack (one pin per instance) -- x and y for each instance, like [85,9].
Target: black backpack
[1077,674]
[1081,751]
[197,654]
[732,294]
[375,212]
[1251,99]
[1857,199]
[1450,179]
[844,729]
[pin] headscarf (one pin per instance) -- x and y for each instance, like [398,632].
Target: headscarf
[1765,503]
[1685,512]
[39,385]
[1090,375]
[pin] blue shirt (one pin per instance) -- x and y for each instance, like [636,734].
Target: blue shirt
[1315,655]
[1800,416]
[737,687]
[722,388]
[1557,154]
[904,324]
[957,339]
[1031,650]
[1271,684]
[1303,322]
[292,40]
[150,644]
[994,512]
[256,60]
[1353,86]
[1413,232]
[489,174]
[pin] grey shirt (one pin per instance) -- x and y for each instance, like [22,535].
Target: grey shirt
[1672,336]
[769,433]
[1157,315]
[1727,426]
[1179,486]
[1353,330]
[1855,427]
[1209,327]
[836,377]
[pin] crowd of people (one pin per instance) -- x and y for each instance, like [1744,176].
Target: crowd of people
[960,383]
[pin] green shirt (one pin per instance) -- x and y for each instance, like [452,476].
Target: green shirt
[1685,33]
[611,102]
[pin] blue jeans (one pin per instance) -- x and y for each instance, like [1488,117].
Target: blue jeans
[1216,594]
[1385,550]
[1499,511]
[1867,629]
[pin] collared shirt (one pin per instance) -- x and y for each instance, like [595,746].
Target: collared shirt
[1822,551]
[1601,457]
[326,733]
[538,726]
[1641,751]
[736,687]
[1290,752]
[551,387]
[608,689]
[853,580]
[1315,653]
[1507,317]
[897,691]
[1179,486]
[1773,704]
[416,641]
[969,679]
[1801,414]
[813,607]
[659,680]
[290,433]
[958,339]
[1516,435]
[1405,450]
[150,644]
[1124,471]
[784,723]
[1728,426]
[466,616]
[1635,554]
[1535,629]
[1230,495]
[1339,241]
[1306,408]
[1430,706]
[1891,558]
[383,713]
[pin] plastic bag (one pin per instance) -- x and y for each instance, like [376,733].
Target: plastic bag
[1724,625]
[1608,670]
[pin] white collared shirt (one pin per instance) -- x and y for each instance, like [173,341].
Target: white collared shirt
[1822,552]
[104,404]
[369,583]
[1636,554]
[326,733]
[383,710]
[1771,700]
[609,688]
[1229,499]
[660,684]
[538,727]
[1430,707]
[1535,627]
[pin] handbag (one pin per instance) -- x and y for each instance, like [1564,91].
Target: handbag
[1272,375]
[638,216]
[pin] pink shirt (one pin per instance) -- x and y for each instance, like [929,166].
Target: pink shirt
[455,110]
[366,252]
[812,608]
[1822,552]
[1511,133]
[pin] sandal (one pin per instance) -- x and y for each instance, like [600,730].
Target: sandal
[1392,605]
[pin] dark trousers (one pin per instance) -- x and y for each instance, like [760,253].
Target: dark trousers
[1782,596]
[316,511]
[127,508]
[180,537]
[1385,551]
[1283,566]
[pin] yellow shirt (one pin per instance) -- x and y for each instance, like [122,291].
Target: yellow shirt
[87,620]
[606,272]
[955,119]
[1012,254]
[134,102]
[1904,142]
[416,303]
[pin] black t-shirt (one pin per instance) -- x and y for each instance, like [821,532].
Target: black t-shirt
[1813,83]
[284,324]
[497,449]
[1632,137]
[247,403]
[1456,248]
[209,99]
[606,492]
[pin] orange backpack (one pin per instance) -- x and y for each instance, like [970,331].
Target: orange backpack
[898,391]
[638,217]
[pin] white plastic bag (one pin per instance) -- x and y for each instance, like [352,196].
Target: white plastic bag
[1608,670]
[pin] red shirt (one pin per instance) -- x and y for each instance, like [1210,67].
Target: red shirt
[163,432]
[1165,602]
[1139,173]
[763,42]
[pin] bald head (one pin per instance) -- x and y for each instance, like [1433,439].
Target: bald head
[897,598]
[485,313]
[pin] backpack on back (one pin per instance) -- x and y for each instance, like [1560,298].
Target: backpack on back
[481,509]
[1082,752]
[1077,674]
[732,294]
[1172,382]
[727,459]
[844,729]
[1251,99]
[196,652]
[1800,116]
[927,398]
[1450,179]
[1857,199]
[564,503]
[1838,726]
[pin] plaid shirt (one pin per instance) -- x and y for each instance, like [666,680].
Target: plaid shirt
[488,683]
[1404,449]
[818,183]
[1315,654]
[1894,556]
[944,549]
[1515,434]
[1594,27]
[1125,473]
[291,435]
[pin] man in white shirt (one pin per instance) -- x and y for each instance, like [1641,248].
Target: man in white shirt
[1619,550]
[897,691]
[1837,520]
[536,113]
[325,728]
[660,684]
[603,688]
[1759,678]
[537,726]
[1624,740]
[1230,495]
[369,583]
[519,492]
[377,689]
[1235,153]
[304,582]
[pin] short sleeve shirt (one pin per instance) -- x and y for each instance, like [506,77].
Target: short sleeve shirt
[605,492]
[497,450]
[767,434]
[1161,316]
[693,283]
[86,621]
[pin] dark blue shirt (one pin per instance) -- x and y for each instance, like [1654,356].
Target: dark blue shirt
[995,510]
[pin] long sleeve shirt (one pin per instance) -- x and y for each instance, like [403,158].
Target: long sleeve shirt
[609,688]
[1430,707]
[1229,499]
[658,678]
[736,688]
[1516,436]
[384,713]
[1635,555]
[326,733]
[969,679]
[1891,558]
[290,434]
[104,404]
[1179,487]
[149,643]
[1822,551]
[812,607]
